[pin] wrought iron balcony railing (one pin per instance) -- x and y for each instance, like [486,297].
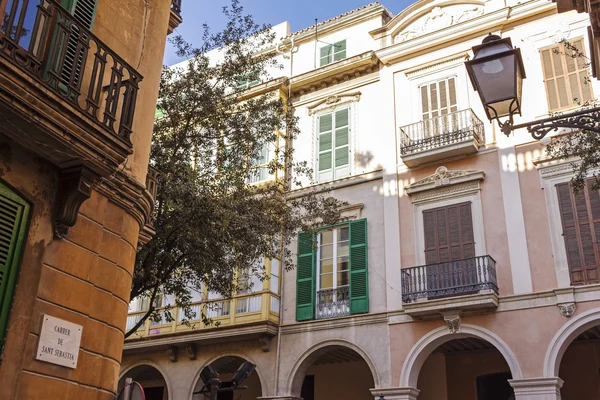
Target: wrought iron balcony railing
[53,47]
[176,6]
[333,303]
[440,131]
[451,278]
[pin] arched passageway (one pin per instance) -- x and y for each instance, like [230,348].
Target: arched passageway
[151,379]
[226,368]
[465,369]
[580,366]
[333,372]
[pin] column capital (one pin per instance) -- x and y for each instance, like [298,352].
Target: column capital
[405,393]
[537,388]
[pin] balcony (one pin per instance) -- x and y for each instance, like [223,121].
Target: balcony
[175,17]
[248,315]
[456,134]
[467,284]
[333,303]
[66,95]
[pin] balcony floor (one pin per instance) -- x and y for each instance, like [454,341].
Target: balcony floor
[484,300]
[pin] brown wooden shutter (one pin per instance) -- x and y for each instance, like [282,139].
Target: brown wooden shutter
[580,216]
[448,233]
[566,77]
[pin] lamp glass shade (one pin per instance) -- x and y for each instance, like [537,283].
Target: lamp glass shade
[497,73]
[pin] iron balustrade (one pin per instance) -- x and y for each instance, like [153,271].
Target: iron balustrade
[333,303]
[176,6]
[53,47]
[450,278]
[440,131]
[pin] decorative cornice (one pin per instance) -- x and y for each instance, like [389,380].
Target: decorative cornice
[333,100]
[436,65]
[444,177]
[332,74]
[337,323]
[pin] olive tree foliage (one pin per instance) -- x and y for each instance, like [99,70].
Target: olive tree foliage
[582,146]
[210,223]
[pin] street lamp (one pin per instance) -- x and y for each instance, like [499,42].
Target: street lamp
[497,74]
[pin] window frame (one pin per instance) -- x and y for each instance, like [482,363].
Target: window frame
[349,145]
[331,56]
[334,229]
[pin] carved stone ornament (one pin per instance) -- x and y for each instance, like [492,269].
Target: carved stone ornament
[265,343]
[75,187]
[452,322]
[439,18]
[333,99]
[567,310]
[172,353]
[443,177]
[190,348]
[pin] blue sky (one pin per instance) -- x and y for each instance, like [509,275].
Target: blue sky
[300,14]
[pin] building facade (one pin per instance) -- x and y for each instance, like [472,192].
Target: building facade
[78,89]
[466,267]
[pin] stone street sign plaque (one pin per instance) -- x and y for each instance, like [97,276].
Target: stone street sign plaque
[59,342]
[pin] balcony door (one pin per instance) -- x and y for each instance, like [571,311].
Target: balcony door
[438,99]
[449,248]
[333,294]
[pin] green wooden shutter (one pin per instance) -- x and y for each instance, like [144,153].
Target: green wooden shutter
[305,278]
[342,143]
[339,50]
[359,271]
[325,135]
[14,212]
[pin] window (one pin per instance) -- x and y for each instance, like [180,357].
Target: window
[448,233]
[580,217]
[566,76]
[332,52]
[259,171]
[274,281]
[332,276]
[244,82]
[14,216]
[334,145]
[437,99]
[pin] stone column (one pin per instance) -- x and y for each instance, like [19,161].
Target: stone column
[537,388]
[405,393]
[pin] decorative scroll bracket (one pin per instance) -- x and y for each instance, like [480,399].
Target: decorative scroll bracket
[191,351]
[265,343]
[172,353]
[567,310]
[452,321]
[587,119]
[75,187]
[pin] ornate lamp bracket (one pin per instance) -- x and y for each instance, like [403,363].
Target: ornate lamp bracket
[586,119]
[75,187]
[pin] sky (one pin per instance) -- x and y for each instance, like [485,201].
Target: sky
[299,13]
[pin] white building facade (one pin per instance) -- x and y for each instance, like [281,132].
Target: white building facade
[465,269]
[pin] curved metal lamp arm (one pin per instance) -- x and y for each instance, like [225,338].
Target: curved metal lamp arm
[586,119]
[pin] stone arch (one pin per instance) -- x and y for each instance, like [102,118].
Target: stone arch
[428,343]
[565,336]
[154,365]
[211,360]
[303,363]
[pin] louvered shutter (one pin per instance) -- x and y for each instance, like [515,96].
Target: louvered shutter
[437,99]
[359,271]
[325,135]
[305,278]
[448,233]
[342,143]
[84,12]
[580,217]
[14,213]
[566,77]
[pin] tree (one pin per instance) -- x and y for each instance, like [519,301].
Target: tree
[210,223]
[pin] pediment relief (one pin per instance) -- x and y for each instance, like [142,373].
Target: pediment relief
[444,177]
[439,18]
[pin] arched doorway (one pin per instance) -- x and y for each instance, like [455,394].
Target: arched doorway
[333,372]
[574,357]
[226,368]
[151,379]
[474,364]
